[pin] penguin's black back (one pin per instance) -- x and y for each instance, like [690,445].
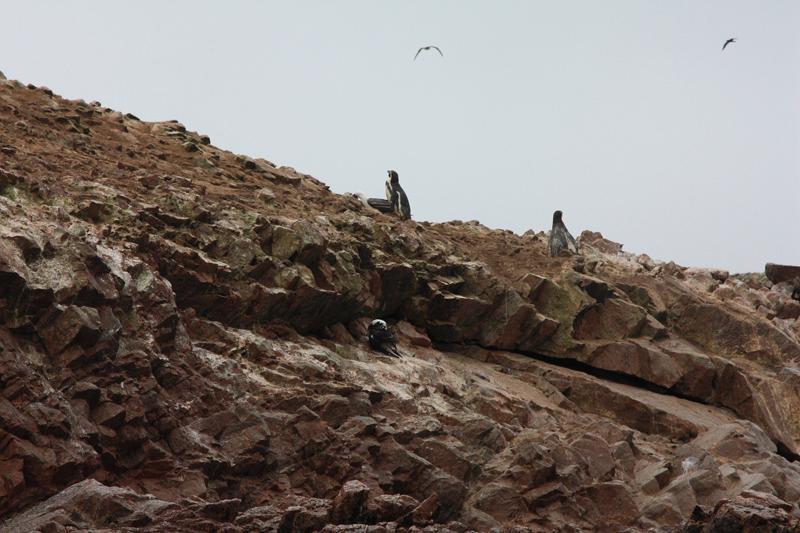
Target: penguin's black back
[403,207]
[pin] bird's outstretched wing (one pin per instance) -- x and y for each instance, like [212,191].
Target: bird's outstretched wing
[428,48]
[729,41]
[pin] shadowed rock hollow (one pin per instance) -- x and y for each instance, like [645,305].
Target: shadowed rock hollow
[182,349]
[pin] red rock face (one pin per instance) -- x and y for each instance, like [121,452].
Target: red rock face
[182,349]
[780,273]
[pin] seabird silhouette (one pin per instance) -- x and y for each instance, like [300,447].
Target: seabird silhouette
[729,41]
[561,240]
[428,48]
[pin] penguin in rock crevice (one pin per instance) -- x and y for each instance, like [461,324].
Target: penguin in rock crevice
[381,338]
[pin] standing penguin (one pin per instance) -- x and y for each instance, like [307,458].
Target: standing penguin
[397,196]
[381,338]
[561,241]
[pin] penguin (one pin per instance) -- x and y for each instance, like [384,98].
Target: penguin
[377,204]
[561,241]
[796,294]
[397,196]
[361,197]
[384,206]
[381,338]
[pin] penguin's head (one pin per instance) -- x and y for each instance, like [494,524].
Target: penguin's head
[377,325]
[393,177]
[557,216]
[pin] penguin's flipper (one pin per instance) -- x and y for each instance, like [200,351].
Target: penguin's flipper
[384,206]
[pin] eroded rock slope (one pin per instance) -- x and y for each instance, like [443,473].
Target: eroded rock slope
[182,348]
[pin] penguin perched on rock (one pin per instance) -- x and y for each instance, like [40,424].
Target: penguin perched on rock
[381,338]
[561,241]
[397,196]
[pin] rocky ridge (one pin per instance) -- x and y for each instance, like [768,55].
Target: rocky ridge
[182,349]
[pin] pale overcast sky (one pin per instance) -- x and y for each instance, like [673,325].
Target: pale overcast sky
[626,115]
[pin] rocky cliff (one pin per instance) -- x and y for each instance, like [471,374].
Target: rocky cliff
[182,349]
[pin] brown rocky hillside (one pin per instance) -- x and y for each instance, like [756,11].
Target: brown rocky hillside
[182,349]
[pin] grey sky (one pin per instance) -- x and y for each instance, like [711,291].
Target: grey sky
[625,115]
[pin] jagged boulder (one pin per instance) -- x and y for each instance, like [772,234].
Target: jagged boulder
[751,512]
[780,273]
[89,505]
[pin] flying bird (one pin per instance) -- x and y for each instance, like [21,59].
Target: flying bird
[428,48]
[729,41]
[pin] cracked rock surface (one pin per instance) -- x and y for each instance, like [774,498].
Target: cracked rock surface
[182,348]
